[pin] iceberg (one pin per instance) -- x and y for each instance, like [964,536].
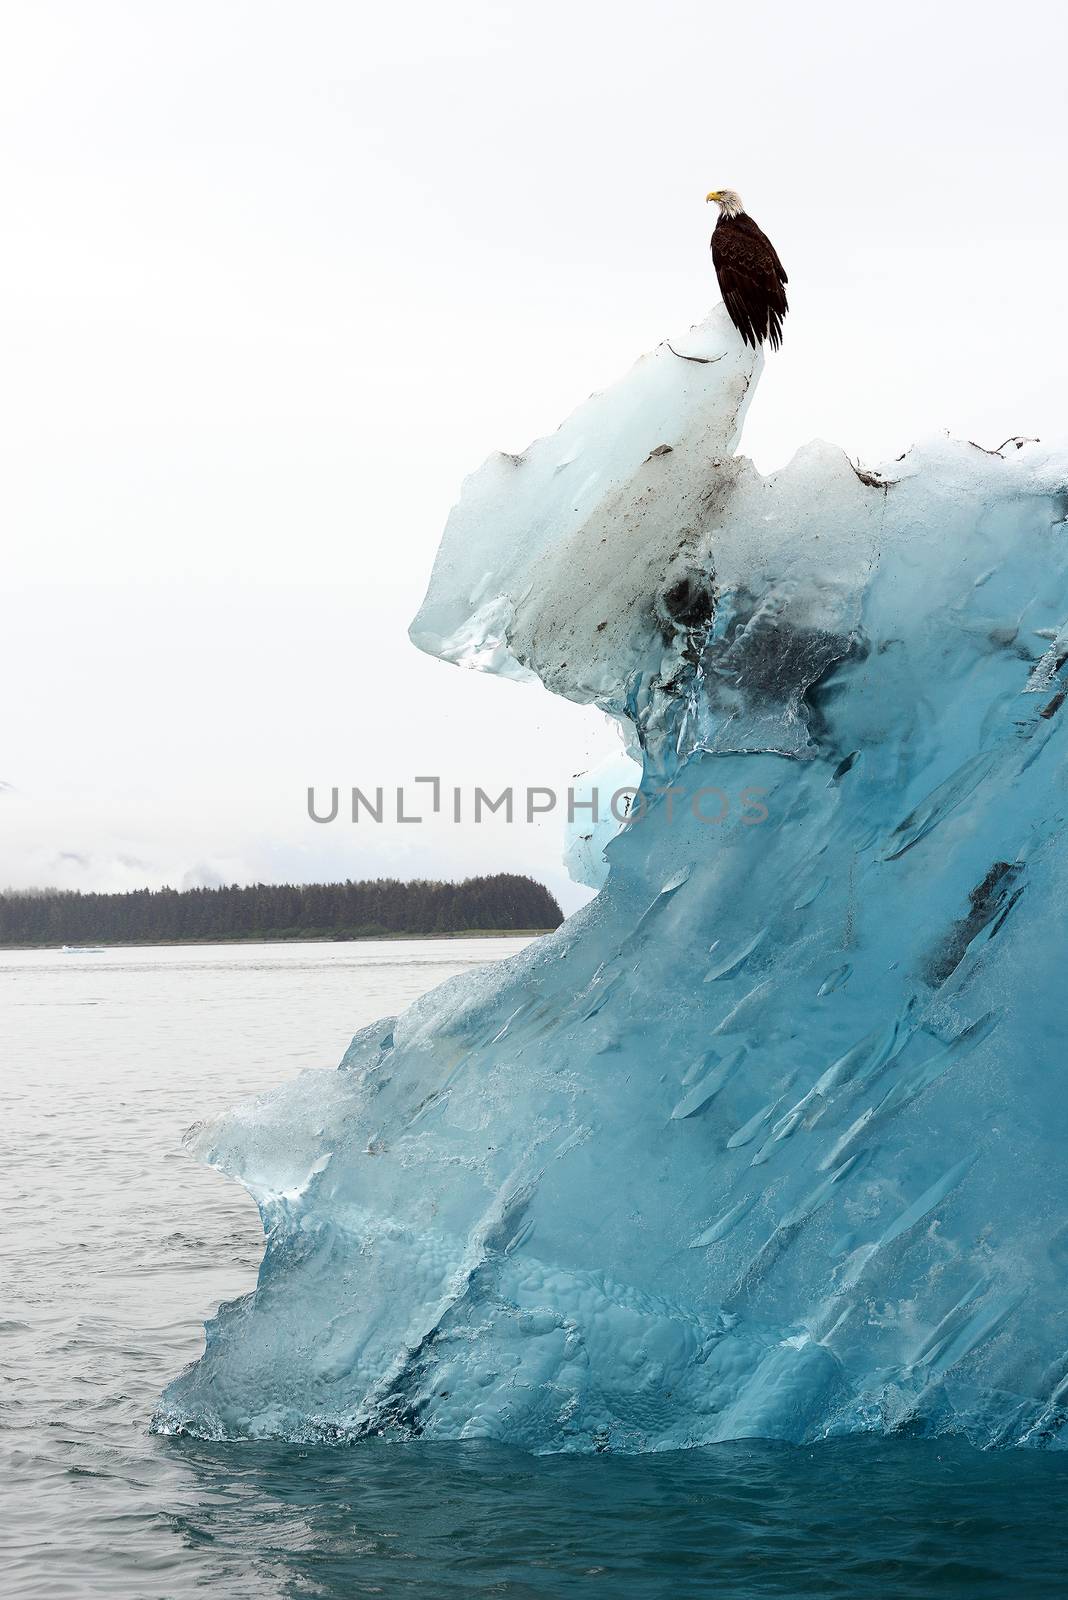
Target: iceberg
[769,1140]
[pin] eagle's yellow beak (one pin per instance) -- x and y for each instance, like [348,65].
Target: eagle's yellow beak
[713,194]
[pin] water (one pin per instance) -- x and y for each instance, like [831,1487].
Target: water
[115,1247]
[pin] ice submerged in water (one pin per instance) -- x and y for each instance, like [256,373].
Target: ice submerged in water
[770,1139]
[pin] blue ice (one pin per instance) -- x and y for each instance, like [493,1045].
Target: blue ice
[770,1139]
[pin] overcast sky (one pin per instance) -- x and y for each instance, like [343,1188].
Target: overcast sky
[276,276]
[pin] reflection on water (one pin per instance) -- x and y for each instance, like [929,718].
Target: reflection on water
[856,1518]
[115,1247]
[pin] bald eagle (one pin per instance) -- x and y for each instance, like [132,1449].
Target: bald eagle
[750,274]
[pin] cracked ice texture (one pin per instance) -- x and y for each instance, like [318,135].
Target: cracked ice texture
[770,1139]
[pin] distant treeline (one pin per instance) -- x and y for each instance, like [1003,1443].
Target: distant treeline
[373,908]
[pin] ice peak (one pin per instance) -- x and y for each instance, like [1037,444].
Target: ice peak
[770,1139]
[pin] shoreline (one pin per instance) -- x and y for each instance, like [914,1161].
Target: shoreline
[317,937]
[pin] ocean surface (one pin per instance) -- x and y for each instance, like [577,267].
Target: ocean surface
[114,1247]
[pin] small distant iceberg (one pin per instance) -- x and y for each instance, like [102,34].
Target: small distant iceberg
[771,1139]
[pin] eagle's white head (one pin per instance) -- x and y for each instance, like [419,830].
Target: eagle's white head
[728,200]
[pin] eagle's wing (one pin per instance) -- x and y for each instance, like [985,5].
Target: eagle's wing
[751,279]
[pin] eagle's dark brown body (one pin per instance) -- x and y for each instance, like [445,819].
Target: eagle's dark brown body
[751,279]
